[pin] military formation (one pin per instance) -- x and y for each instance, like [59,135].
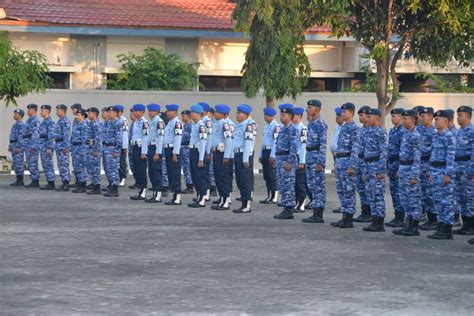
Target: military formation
[428,161]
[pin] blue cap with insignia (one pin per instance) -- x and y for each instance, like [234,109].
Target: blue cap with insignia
[442,113]
[298,111]
[427,110]
[93,109]
[119,107]
[172,107]
[287,110]
[348,106]
[61,107]
[244,108]
[269,111]
[363,109]
[338,111]
[222,108]
[46,107]
[19,111]
[419,108]
[32,106]
[205,106]
[314,102]
[153,107]
[374,111]
[285,106]
[451,113]
[465,109]
[138,107]
[397,111]
[197,108]
[412,113]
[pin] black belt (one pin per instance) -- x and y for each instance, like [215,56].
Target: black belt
[394,158]
[12,141]
[372,159]
[313,148]
[58,140]
[282,153]
[425,158]
[438,164]
[109,144]
[361,156]
[76,143]
[406,162]
[27,136]
[44,136]
[462,158]
[185,144]
[342,155]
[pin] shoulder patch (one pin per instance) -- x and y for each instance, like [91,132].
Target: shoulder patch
[304,135]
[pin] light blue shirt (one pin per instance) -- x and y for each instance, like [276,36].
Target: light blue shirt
[302,133]
[140,134]
[209,124]
[199,138]
[173,134]
[270,134]
[335,136]
[244,138]
[156,134]
[125,132]
[221,138]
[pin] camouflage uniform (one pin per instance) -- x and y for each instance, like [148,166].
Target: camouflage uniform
[46,131]
[62,134]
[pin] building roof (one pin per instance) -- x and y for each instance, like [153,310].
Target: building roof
[164,14]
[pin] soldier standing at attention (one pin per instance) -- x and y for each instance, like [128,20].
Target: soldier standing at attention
[17,147]
[112,147]
[212,179]
[375,164]
[394,141]
[197,145]
[172,145]
[184,152]
[207,119]
[409,175]
[155,152]
[441,173]
[130,157]
[79,137]
[139,144]
[346,162]
[285,156]
[270,134]
[46,131]
[335,136]
[104,125]
[222,154]
[244,141]
[62,136]
[452,128]
[74,108]
[300,173]
[94,149]
[316,160]
[464,170]
[123,169]
[31,144]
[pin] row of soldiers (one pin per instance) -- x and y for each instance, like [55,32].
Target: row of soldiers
[293,159]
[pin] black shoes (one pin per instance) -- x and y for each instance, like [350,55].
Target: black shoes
[337,210]
[317,216]
[95,190]
[81,188]
[365,215]
[113,192]
[245,208]
[155,198]
[376,225]
[398,220]
[443,232]
[18,182]
[107,188]
[133,186]
[64,187]
[345,222]
[430,224]
[287,213]
[49,187]
[140,196]
[222,206]
[410,229]
[199,202]
[467,227]
[175,201]
[33,184]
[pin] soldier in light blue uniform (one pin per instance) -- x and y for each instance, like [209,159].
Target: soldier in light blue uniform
[285,155]
[62,135]
[270,134]
[74,108]
[31,144]
[112,143]
[184,152]
[375,164]
[441,175]
[222,155]
[172,146]
[300,173]
[130,156]
[46,131]
[17,147]
[409,175]
[211,182]
[123,169]
[197,145]
[212,179]
[155,152]
[244,141]
[94,149]
[316,160]
[393,157]
[79,137]
[464,170]
[139,144]
[346,164]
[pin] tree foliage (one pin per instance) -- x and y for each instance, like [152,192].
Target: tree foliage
[434,31]
[154,70]
[21,72]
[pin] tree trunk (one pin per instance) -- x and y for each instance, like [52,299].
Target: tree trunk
[270,102]
[382,84]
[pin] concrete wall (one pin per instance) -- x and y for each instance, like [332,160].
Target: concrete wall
[128,98]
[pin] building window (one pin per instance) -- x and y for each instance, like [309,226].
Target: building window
[216,83]
[321,85]
[60,80]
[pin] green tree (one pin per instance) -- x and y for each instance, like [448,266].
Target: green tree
[154,70]
[433,31]
[21,72]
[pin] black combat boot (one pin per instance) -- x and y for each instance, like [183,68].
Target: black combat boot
[467,226]
[406,227]
[287,213]
[49,187]
[430,224]
[337,210]
[90,186]
[347,221]
[412,230]
[64,187]
[245,208]
[365,215]
[317,216]
[376,225]
[33,184]
[397,221]
[444,232]
[107,188]
[18,182]
[74,185]
[95,190]
[113,191]
[141,195]
[189,189]
[223,206]
[457,220]
[81,188]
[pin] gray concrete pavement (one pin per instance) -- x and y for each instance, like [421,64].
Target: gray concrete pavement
[62,253]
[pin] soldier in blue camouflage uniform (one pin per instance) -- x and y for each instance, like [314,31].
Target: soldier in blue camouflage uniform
[441,175]
[184,152]
[244,141]
[74,108]
[31,144]
[301,191]
[62,135]
[270,134]
[375,163]
[409,175]
[46,131]
[316,160]
[426,131]
[365,215]
[17,147]
[94,149]
[464,170]
[394,141]
[112,143]
[346,162]
[79,137]
[284,154]
[452,128]
[105,114]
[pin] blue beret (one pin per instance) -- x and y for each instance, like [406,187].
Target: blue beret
[465,109]
[138,107]
[363,109]
[348,106]
[397,111]
[32,106]
[338,111]
[412,113]
[172,107]
[269,111]
[205,106]
[19,111]
[374,111]
[451,113]
[153,107]
[46,107]
[244,108]
[287,110]
[314,102]
[427,110]
[61,107]
[298,111]
[222,108]
[285,106]
[119,107]
[418,108]
[197,108]
[442,113]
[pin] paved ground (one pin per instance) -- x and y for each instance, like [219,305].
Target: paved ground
[61,253]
